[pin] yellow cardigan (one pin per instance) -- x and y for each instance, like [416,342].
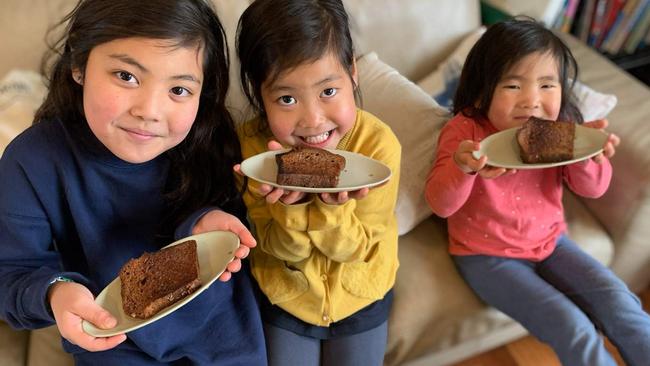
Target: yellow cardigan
[319,262]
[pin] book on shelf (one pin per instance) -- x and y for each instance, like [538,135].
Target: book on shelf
[611,15]
[631,14]
[565,21]
[597,22]
[585,19]
[638,32]
[616,29]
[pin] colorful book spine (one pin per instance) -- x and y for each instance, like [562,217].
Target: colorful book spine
[628,24]
[585,20]
[597,22]
[639,31]
[617,27]
[611,15]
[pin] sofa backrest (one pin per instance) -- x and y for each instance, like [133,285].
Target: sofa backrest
[413,36]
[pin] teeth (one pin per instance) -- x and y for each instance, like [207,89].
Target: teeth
[317,139]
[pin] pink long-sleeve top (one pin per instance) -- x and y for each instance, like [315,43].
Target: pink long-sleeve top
[516,216]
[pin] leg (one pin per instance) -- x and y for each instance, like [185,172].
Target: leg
[284,347]
[514,287]
[363,349]
[603,296]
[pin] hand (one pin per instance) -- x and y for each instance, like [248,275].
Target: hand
[469,164]
[340,198]
[220,220]
[272,194]
[71,303]
[609,149]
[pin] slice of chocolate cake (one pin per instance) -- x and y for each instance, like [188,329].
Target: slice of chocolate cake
[544,141]
[156,280]
[309,167]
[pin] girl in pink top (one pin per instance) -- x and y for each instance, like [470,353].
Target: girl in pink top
[507,233]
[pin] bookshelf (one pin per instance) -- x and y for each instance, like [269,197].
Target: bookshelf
[619,29]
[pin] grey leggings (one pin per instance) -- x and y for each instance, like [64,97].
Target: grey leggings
[364,349]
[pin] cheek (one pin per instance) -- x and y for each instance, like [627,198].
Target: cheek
[100,109]
[182,121]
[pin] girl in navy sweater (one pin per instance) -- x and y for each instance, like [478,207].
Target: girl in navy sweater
[132,148]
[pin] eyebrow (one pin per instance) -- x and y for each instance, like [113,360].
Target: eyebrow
[541,78]
[131,61]
[325,80]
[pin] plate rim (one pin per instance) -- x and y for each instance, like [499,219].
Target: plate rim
[318,190]
[525,166]
[94,331]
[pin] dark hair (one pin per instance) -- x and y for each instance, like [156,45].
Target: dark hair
[201,166]
[501,47]
[276,35]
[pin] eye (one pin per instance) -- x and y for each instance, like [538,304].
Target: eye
[180,91]
[127,77]
[287,100]
[511,86]
[329,92]
[548,86]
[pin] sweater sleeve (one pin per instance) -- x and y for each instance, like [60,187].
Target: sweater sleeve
[28,258]
[447,187]
[588,178]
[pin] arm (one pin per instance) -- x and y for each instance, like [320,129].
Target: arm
[29,264]
[448,187]
[588,178]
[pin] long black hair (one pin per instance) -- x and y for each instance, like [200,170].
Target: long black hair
[201,166]
[274,36]
[501,47]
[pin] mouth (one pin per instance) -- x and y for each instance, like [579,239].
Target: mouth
[316,139]
[139,134]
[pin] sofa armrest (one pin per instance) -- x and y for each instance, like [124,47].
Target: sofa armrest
[624,209]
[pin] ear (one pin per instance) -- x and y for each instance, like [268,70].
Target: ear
[77,76]
[355,74]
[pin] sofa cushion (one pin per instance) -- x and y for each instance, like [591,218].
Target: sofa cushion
[416,119]
[423,32]
[441,84]
[21,93]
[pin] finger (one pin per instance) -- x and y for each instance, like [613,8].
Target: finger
[225,276]
[274,145]
[598,124]
[359,194]
[342,197]
[291,197]
[242,252]
[274,195]
[614,139]
[245,237]
[101,343]
[234,266]
[598,158]
[327,198]
[95,314]
[237,169]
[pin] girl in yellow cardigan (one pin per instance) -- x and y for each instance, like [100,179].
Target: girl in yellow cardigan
[326,262]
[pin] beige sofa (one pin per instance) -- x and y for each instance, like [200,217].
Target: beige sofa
[436,320]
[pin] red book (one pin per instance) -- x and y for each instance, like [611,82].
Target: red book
[613,8]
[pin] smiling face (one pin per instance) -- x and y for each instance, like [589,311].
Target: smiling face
[531,87]
[141,96]
[312,104]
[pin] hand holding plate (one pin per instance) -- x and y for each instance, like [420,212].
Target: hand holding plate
[219,220]
[71,303]
[609,149]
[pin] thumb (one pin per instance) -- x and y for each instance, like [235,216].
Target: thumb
[97,315]
[274,145]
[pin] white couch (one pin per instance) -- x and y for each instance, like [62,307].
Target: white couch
[436,319]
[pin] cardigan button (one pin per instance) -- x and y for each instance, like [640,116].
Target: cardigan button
[323,277]
[326,318]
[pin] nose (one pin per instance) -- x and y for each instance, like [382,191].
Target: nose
[147,105]
[312,115]
[530,98]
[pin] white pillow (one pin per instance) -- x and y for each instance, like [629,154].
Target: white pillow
[416,120]
[441,84]
[21,93]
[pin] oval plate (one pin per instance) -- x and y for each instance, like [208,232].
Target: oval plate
[502,149]
[360,171]
[215,249]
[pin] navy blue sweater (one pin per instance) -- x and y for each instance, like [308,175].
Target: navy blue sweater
[68,207]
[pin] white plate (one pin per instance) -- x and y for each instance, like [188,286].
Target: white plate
[360,171]
[502,149]
[215,250]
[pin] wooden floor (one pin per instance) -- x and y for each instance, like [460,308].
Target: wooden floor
[528,351]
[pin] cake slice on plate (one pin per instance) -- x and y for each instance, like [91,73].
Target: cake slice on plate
[545,141]
[309,167]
